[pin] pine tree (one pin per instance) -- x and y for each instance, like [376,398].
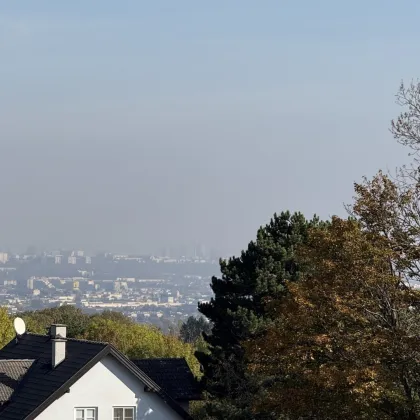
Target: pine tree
[193,328]
[238,311]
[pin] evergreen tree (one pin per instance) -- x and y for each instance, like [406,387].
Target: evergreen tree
[238,311]
[193,328]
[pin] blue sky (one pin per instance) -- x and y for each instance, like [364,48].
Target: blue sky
[132,125]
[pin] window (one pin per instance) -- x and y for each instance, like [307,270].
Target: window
[85,413]
[123,413]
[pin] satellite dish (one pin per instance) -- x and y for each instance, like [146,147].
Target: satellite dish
[19,326]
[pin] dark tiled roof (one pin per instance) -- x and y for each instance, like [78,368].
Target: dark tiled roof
[11,373]
[173,375]
[43,381]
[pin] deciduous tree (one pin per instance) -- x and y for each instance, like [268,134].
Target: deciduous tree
[139,341]
[6,327]
[74,318]
[345,342]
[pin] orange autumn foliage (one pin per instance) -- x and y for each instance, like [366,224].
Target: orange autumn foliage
[346,340]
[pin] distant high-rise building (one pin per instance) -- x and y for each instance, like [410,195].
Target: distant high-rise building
[202,251]
[76,285]
[88,260]
[4,257]
[182,251]
[30,283]
[58,259]
[190,252]
[80,253]
[71,260]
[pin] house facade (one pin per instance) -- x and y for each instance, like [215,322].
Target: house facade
[108,391]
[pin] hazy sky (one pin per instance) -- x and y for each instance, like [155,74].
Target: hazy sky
[130,125]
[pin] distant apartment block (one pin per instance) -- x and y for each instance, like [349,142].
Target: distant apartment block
[10,283]
[88,260]
[4,257]
[58,259]
[164,298]
[72,260]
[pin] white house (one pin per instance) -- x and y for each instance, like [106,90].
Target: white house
[53,377]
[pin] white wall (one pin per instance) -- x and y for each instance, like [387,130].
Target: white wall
[105,385]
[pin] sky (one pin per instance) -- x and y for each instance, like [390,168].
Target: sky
[129,126]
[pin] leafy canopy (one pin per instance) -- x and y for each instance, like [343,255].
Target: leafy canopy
[345,341]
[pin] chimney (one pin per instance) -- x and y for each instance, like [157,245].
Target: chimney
[58,334]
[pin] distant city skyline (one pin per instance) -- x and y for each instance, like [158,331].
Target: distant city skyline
[158,290]
[197,250]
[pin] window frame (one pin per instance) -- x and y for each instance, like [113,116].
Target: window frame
[124,407]
[84,412]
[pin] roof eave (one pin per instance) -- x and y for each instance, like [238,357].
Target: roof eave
[125,361]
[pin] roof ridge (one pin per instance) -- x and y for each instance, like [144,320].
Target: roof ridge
[159,358]
[36,334]
[81,340]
